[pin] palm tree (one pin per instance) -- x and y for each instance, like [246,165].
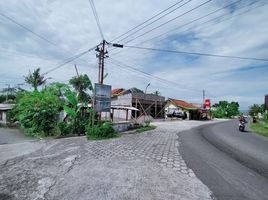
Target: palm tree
[35,79]
[82,85]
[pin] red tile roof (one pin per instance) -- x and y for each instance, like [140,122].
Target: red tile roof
[183,104]
[117,91]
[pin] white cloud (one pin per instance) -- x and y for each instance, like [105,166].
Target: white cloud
[72,27]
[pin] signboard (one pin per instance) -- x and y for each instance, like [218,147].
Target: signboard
[207,103]
[102,98]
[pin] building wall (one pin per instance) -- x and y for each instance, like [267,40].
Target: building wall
[122,100]
[3,116]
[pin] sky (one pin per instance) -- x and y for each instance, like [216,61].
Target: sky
[47,33]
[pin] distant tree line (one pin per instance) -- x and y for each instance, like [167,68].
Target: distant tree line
[224,109]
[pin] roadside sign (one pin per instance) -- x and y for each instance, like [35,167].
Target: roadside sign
[207,103]
[102,98]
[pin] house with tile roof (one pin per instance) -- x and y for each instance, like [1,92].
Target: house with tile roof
[179,106]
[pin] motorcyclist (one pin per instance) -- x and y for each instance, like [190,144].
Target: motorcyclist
[242,118]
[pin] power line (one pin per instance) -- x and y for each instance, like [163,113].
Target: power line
[155,20]
[152,76]
[198,25]
[204,16]
[199,54]
[26,28]
[147,20]
[70,60]
[197,19]
[32,32]
[96,17]
[200,5]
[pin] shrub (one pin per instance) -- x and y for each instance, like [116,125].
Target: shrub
[100,131]
[37,113]
[66,128]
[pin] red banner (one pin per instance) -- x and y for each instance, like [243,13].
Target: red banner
[207,103]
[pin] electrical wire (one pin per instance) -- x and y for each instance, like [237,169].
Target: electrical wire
[185,87]
[147,20]
[32,32]
[199,25]
[181,15]
[199,54]
[70,60]
[154,21]
[197,19]
[96,17]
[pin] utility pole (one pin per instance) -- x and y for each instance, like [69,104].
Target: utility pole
[203,98]
[8,88]
[101,54]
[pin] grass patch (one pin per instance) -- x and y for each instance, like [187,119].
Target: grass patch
[145,128]
[94,137]
[261,128]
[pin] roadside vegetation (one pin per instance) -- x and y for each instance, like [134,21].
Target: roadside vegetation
[261,125]
[58,109]
[224,109]
[146,127]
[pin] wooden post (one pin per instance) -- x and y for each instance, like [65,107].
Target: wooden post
[155,109]
[136,108]
[127,115]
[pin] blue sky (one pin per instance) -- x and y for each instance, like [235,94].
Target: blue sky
[71,27]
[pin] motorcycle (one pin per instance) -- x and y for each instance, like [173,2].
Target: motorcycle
[242,125]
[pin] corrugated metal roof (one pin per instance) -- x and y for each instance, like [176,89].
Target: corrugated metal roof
[5,106]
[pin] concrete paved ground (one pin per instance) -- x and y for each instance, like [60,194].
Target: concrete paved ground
[138,166]
[12,136]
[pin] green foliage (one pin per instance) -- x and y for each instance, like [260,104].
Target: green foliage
[145,128]
[12,116]
[79,115]
[226,110]
[66,128]
[35,79]
[37,113]
[261,127]
[9,97]
[81,85]
[255,109]
[100,131]
[57,88]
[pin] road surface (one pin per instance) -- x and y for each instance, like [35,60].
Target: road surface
[234,165]
[135,166]
[12,136]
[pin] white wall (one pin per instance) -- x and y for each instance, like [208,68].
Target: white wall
[122,100]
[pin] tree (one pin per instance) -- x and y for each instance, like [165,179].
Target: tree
[35,79]
[255,109]
[37,113]
[79,114]
[226,110]
[82,85]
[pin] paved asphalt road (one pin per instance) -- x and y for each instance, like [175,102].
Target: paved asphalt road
[233,164]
